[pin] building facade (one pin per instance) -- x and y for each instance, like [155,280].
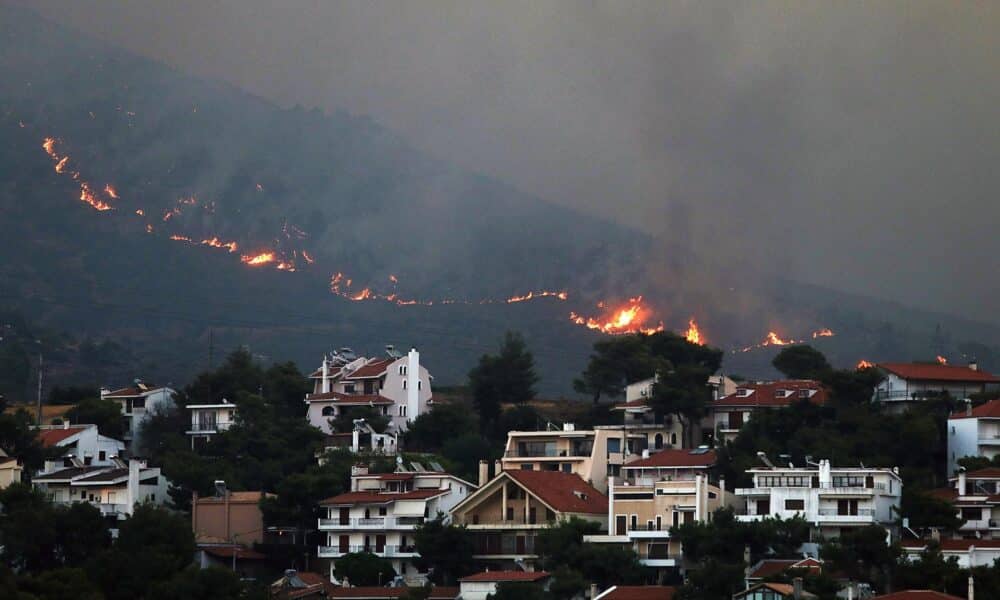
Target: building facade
[83,443]
[138,404]
[904,384]
[729,413]
[114,490]
[974,431]
[208,420]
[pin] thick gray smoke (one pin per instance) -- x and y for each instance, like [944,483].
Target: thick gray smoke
[846,144]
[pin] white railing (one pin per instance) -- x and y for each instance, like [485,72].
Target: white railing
[371,523]
[833,512]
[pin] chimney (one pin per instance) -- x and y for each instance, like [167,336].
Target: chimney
[593,590]
[968,407]
[132,491]
[935,534]
[497,467]
[325,387]
[974,366]
[611,505]
[412,385]
[961,481]
[797,588]
[104,392]
[484,472]
[972,588]
[825,474]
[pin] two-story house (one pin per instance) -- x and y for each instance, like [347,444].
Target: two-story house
[506,514]
[208,420]
[904,384]
[831,499]
[11,470]
[138,403]
[976,498]
[974,431]
[81,442]
[382,510]
[729,413]
[114,489]
[397,387]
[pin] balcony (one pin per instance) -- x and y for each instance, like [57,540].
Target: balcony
[113,509]
[905,396]
[373,523]
[832,515]
[976,524]
[989,438]
[388,550]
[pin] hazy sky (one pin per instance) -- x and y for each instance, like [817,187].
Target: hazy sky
[847,144]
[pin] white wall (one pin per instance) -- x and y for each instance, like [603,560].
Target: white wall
[962,441]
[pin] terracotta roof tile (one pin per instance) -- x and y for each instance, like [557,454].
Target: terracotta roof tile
[373,369]
[675,459]
[988,410]
[380,498]
[349,399]
[987,473]
[937,372]
[501,576]
[564,492]
[639,592]
[52,437]
[765,394]
[917,595]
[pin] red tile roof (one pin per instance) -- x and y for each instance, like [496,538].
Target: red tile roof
[988,410]
[639,592]
[132,392]
[768,568]
[953,545]
[52,437]
[380,498]
[564,492]
[373,369]
[987,473]
[675,459]
[938,372]
[917,595]
[349,399]
[765,394]
[501,576]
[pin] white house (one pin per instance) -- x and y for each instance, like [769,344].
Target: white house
[81,442]
[906,383]
[729,413]
[382,510]
[114,489]
[397,387]
[138,403]
[968,553]
[831,498]
[974,431]
[976,498]
[209,419]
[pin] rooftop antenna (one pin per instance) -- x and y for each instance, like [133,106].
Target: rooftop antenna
[767,461]
[810,461]
[392,352]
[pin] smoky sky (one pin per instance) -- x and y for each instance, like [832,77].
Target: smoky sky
[853,145]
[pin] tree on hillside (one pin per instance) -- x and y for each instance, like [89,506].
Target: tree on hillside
[863,554]
[429,431]
[298,495]
[446,548]
[106,414]
[802,362]
[508,376]
[73,394]
[194,583]
[17,438]
[364,568]
[561,546]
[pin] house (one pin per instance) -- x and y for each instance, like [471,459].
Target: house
[728,414]
[208,420]
[228,518]
[81,442]
[772,567]
[396,387]
[295,585]
[667,489]
[637,592]
[381,512]
[592,454]
[138,403]
[906,383]
[643,390]
[974,431]
[832,499]
[505,514]
[976,498]
[775,591]
[638,418]
[11,470]
[114,489]
[481,585]
[638,411]
[968,553]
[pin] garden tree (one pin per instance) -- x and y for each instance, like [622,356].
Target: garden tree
[153,546]
[975,463]
[239,373]
[344,422]
[445,548]
[616,362]
[17,438]
[863,555]
[430,430]
[567,584]
[194,583]
[57,584]
[508,376]
[562,545]
[28,529]
[298,495]
[925,510]
[106,414]
[81,532]
[724,537]
[519,590]
[464,452]
[712,578]
[932,571]
[364,568]
[682,391]
[521,417]
[285,387]
[802,362]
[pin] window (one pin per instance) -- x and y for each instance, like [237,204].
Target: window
[102,455]
[798,504]
[634,524]
[404,384]
[805,393]
[381,511]
[567,468]
[527,467]
[614,445]
[328,411]
[420,384]
[349,388]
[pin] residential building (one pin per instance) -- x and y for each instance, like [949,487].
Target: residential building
[968,553]
[228,519]
[773,567]
[505,514]
[381,512]
[646,429]
[976,498]
[661,491]
[974,431]
[481,586]
[208,420]
[397,387]
[11,470]
[906,383]
[113,489]
[637,592]
[729,413]
[643,390]
[81,442]
[638,413]
[138,403]
[775,591]
[832,499]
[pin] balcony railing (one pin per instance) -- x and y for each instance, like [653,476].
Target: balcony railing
[905,396]
[387,550]
[370,522]
[833,512]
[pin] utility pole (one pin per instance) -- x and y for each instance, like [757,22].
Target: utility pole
[39,388]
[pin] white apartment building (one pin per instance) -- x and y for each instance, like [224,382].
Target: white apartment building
[398,387]
[81,442]
[832,499]
[208,420]
[138,403]
[976,498]
[382,510]
[114,489]
[974,432]
[729,413]
[907,383]
[968,552]
[642,390]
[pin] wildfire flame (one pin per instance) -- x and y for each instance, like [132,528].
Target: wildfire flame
[941,360]
[261,258]
[393,279]
[87,195]
[111,191]
[825,332]
[693,334]
[630,318]
[773,339]
[61,165]
[140,212]
[364,294]
[180,238]
[534,296]
[50,147]
[308,257]
[864,364]
[215,242]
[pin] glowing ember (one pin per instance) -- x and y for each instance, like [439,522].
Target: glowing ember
[111,191]
[140,212]
[825,332]
[61,165]
[50,146]
[215,242]
[173,212]
[364,294]
[864,364]
[180,238]
[773,339]
[308,257]
[261,258]
[87,195]
[941,360]
[693,334]
[393,279]
[149,228]
[260,188]
[630,318]
[534,296]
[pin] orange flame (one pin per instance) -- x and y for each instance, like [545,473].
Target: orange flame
[308,257]
[140,212]
[364,294]
[393,279]
[630,318]
[61,165]
[535,296]
[941,360]
[111,191]
[864,364]
[50,146]
[180,238]
[261,258]
[825,332]
[215,242]
[149,228]
[173,212]
[693,334]
[87,195]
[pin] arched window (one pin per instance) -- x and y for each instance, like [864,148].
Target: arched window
[673,439]
[658,441]
[328,411]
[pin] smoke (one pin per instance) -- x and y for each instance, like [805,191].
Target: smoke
[843,144]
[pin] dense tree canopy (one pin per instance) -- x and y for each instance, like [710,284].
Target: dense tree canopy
[106,414]
[446,549]
[508,376]
[802,362]
[364,568]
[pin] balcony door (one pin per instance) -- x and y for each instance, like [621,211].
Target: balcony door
[379,544]
[620,525]
[344,544]
[345,515]
[847,507]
